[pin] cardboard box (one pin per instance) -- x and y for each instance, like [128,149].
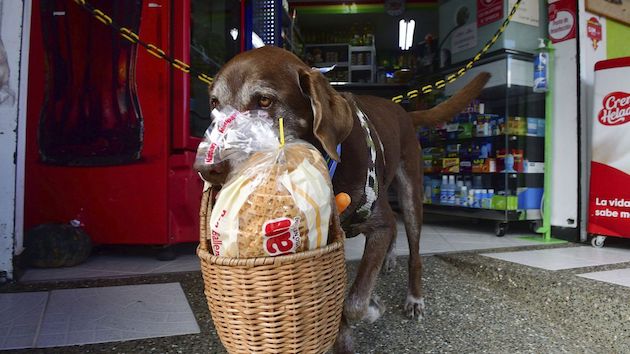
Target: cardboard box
[535,127]
[502,202]
[484,165]
[465,166]
[465,130]
[517,126]
[450,165]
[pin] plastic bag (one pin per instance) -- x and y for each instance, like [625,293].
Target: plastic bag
[277,199]
[235,135]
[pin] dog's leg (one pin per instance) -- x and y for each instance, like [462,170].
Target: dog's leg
[360,303]
[410,199]
[344,344]
[389,264]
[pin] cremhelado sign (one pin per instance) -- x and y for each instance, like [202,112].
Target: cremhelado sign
[609,198]
[615,109]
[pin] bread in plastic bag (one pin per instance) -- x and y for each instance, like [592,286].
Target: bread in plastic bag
[277,199]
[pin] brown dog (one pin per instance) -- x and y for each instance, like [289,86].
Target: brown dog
[378,147]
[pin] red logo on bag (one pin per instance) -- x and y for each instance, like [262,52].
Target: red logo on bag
[281,236]
[210,153]
[227,122]
[616,109]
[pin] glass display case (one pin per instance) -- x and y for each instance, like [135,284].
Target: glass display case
[488,161]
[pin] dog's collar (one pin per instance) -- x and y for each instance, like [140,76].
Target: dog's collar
[332,164]
[371,189]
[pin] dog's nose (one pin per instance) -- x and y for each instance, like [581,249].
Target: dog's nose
[216,174]
[217,168]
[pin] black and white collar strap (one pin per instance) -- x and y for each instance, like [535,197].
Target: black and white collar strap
[371,189]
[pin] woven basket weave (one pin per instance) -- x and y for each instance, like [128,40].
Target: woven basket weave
[285,304]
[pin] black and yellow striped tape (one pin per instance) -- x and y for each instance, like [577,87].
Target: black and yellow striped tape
[179,65]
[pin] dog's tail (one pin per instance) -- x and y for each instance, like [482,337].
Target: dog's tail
[446,110]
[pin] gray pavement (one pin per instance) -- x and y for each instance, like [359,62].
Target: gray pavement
[475,304]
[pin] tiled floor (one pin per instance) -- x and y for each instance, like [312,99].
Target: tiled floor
[21,315]
[94,315]
[435,239]
[115,266]
[565,258]
[617,276]
[80,316]
[438,238]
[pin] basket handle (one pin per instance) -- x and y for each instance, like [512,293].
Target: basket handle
[206,206]
[335,224]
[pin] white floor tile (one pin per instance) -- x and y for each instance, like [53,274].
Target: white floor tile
[565,258]
[462,239]
[617,276]
[107,266]
[20,318]
[96,315]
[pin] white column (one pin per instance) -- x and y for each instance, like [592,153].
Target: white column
[12,111]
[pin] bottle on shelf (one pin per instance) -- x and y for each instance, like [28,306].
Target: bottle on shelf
[444,190]
[463,196]
[451,190]
[489,197]
[541,60]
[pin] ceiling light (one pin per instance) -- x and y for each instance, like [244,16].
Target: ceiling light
[405,33]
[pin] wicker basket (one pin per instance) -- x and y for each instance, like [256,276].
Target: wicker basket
[285,304]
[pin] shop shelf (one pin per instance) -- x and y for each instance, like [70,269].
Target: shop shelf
[507,95]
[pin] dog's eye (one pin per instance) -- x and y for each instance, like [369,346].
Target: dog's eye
[264,102]
[214,102]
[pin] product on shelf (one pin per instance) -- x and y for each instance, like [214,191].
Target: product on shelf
[517,126]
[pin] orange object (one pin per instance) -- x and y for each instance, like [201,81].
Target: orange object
[342,200]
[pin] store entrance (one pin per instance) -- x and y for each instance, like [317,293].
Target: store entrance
[485,167]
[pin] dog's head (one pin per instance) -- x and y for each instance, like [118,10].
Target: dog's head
[275,80]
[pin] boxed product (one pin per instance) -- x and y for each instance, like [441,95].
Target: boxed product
[498,125]
[431,158]
[482,125]
[503,202]
[464,130]
[533,167]
[424,136]
[484,165]
[465,166]
[517,126]
[452,130]
[450,165]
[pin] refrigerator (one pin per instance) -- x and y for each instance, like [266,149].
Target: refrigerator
[111,130]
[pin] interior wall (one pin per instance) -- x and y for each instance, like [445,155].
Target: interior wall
[617,37]
[10,47]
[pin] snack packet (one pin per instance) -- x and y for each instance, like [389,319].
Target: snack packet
[278,198]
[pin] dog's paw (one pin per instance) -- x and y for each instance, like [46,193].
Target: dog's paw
[414,308]
[344,343]
[375,310]
[390,263]
[363,309]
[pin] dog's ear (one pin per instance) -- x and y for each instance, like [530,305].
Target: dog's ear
[332,115]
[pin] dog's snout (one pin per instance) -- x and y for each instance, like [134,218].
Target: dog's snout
[217,168]
[216,174]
